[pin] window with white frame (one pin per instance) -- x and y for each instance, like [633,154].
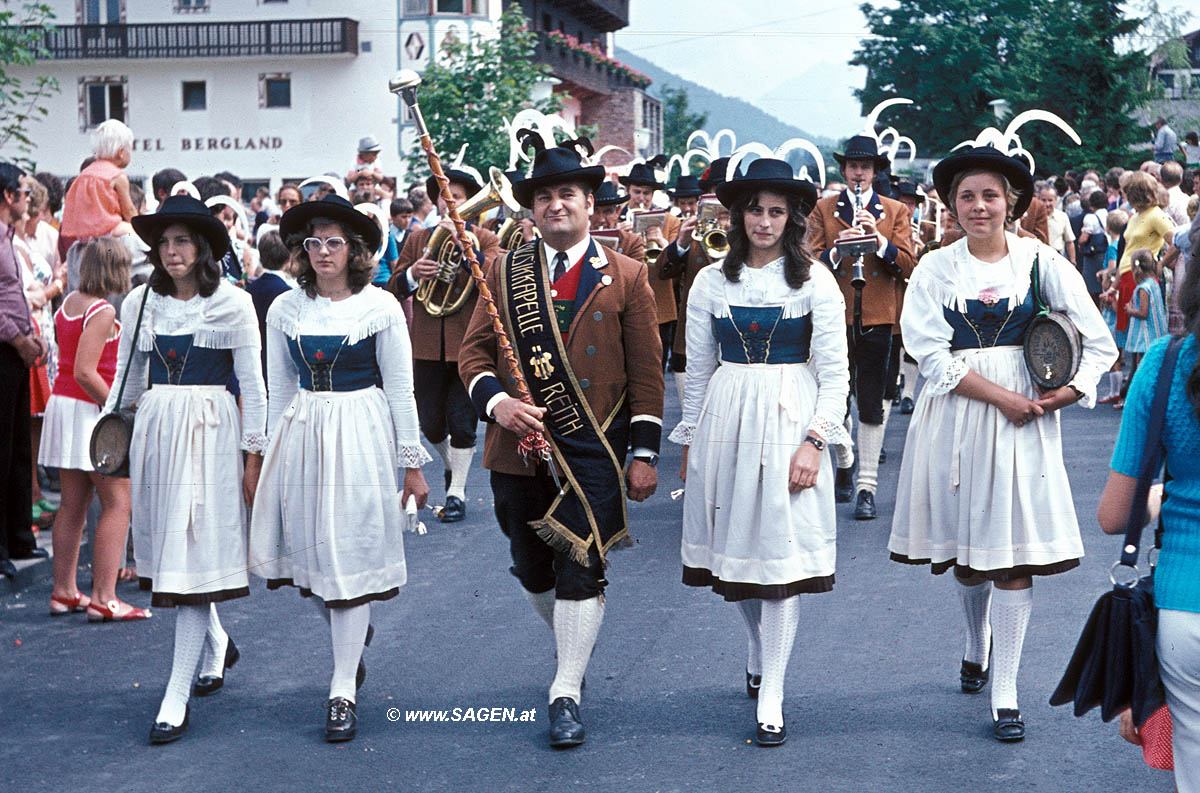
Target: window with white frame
[100,12]
[102,98]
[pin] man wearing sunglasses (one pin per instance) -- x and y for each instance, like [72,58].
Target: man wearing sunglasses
[20,348]
[448,419]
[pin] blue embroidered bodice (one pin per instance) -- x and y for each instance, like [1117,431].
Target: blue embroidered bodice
[327,363]
[177,361]
[983,326]
[762,335]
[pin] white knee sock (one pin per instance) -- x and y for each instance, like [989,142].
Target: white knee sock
[460,464]
[752,613]
[909,370]
[870,441]
[215,642]
[779,621]
[976,602]
[543,604]
[1010,618]
[576,623]
[191,623]
[680,379]
[443,450]
[348,627]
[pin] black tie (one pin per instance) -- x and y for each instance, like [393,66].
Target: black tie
[560,265]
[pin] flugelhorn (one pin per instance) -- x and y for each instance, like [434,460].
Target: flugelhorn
[445,292]
[708,232]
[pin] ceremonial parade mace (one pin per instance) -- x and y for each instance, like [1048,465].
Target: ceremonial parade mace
[405,84]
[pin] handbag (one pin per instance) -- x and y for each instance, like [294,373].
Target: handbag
[1052,343]
[109,444]
[1115,663]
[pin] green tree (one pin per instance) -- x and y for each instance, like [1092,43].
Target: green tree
[473,87]
[954,57]
[22,29]
[678,123]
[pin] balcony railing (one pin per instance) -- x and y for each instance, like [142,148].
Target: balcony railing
[337,36]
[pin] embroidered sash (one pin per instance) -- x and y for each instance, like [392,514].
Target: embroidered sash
[590,508]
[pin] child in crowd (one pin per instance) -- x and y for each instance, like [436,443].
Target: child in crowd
[1147,312]
[1114,227]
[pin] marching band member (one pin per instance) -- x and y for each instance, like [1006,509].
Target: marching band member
[856,211]
[342,419]
[448,420]
[983,488]
[759,521]
[185,456]
[641,183]
[685,195]
[609,204]
[586,341]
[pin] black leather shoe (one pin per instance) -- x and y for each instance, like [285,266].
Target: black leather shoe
[864,508]
[843,486]
[361,674]
[36,553]
[566,730]
[162,732]
[211,684]
[454,511]
[342,722]
[770,735]
[753,683]
[1008,726]
[972,677]
[882,456]
[7,568]
[906,406]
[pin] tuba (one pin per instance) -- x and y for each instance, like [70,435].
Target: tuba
[447,291]
[510,233]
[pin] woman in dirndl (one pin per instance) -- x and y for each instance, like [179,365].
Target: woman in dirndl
[983,488]
[766,387]
[189,488]
[342,420]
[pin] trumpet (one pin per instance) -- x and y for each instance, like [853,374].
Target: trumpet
[712,238]
[447,291]
[642,222]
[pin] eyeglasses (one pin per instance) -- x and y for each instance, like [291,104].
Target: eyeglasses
[334,244]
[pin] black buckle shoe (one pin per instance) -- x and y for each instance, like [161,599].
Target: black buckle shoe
[843,485]
[454,511]
[753,684]
[162,732]
[906,406]
[972,677]
[1008,726]
[770,735]
[210,684]
[864,508]
[566,730]
[342,722]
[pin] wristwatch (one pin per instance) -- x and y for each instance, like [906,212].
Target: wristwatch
[650,460]
[815,441]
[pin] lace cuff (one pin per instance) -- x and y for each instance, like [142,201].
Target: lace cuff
[255,442]
[950,378]
[412,456]
[1087,390]
[683,434]
[834,432]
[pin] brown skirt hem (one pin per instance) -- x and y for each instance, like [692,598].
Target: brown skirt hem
[279,583]
[168,600]
[1002,574]
[734,591]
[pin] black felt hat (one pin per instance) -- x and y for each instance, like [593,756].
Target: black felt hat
[985,158]
[714,174]
[191,213]
[606,195]
[332,207]
[562,163]
[686,186]
[456,177]
[863,147]
[642,174]
[905,187]
[768,174]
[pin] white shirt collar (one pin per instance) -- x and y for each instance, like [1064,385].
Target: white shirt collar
[867,193]
[574,253]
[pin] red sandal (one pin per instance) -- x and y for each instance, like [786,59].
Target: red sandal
[98,612]
[73,605]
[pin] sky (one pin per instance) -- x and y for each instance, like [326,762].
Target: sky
[795,54]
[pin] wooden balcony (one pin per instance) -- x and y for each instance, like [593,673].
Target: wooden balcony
[604,15]
[575,68]
[280,37]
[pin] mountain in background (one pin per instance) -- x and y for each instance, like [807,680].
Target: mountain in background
[748,122]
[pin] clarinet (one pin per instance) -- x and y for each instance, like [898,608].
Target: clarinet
[857,279]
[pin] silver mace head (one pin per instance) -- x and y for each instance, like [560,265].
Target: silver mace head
[404,80]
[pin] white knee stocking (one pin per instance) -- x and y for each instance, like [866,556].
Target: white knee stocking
[680,379]
[191,623]
[752,613]
[543,605]
[1010,618]
[909,371]
[576,624]
[348,628]
[215,642]
[443,450]
[779,621]
[976,602]
[460,465]
[870,442]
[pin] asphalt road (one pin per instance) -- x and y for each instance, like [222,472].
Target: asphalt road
[872,700]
